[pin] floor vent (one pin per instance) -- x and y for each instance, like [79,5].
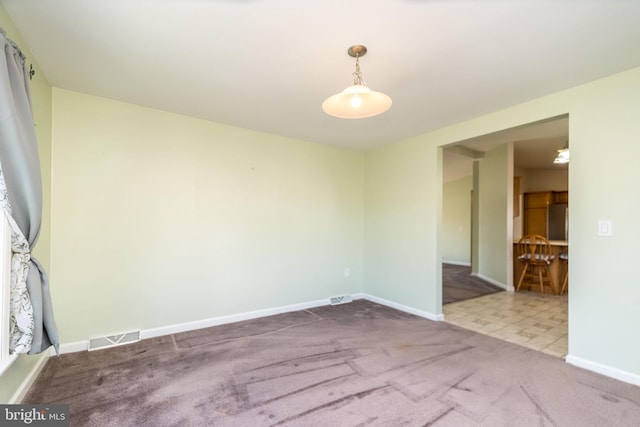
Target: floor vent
[342,299]
[114,340]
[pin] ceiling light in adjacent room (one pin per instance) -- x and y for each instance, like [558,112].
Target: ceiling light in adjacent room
[563,154]
[356,101]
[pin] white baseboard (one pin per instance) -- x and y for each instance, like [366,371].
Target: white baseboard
[207,323]
[73,347]
[222,320]
[490,280]
[462,263]
[406,309]
[28,381]
[605,370]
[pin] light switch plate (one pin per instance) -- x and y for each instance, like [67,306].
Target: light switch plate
[605,228]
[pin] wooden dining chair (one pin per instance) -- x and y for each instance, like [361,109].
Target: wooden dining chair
[534,251]
[564,257]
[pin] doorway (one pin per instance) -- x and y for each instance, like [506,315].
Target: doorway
[525,317]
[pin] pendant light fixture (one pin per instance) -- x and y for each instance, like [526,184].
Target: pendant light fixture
[356,101]
[563,155]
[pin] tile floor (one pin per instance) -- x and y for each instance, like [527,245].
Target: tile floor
[524,318]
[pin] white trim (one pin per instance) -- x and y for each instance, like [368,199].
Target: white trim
[406,309]
[29,379]
[206,323]
[6,359]
[74,347]
[492,281]
[462,263]
[618,374]
[222,320]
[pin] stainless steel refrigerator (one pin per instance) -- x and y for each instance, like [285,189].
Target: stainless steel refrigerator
[558,221]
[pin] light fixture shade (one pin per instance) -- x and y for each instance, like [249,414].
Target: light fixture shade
[356,102]
[562,157]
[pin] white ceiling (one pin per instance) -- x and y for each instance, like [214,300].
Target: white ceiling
[535,147]
[267,65]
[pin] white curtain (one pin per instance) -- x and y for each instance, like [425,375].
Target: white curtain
[32,327]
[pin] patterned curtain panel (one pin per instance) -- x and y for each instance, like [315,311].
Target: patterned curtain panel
[32,327]
[20,307]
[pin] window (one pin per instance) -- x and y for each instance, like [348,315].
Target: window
[5,277]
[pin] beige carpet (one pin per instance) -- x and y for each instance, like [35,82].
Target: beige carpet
[357,364]
[459,285]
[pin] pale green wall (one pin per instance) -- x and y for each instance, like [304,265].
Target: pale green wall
[160,219]
[456,221]
[493,237]
[603,182]
[475,219]
[41,105]
[603,177]
[403,190]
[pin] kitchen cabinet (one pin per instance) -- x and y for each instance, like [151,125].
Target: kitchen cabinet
[560,196]
[536,210]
